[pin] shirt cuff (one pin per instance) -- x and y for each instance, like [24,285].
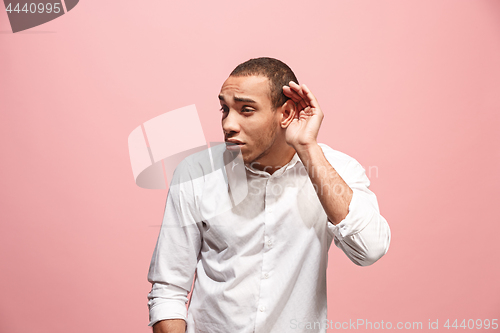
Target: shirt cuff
[167,310]
[360,214]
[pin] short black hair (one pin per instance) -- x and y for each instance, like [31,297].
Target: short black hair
[277,72]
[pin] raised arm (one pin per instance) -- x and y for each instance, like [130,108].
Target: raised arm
[359,229]
[334,194]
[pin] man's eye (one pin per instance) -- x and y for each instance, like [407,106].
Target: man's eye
[246,110]
[223,109]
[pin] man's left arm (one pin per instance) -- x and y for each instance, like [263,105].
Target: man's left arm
[333,192]
[360,231]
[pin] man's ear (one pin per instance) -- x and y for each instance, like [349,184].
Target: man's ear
[288,112]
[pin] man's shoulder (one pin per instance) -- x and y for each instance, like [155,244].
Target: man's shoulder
[337,158]
[201,165]
[205,158]
[347,166]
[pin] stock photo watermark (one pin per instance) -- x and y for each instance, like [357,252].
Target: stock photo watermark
[25,15]
[357,324]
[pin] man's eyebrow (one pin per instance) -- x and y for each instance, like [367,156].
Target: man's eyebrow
[238,99]
[244,99]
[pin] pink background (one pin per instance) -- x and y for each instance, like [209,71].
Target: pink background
[409,88]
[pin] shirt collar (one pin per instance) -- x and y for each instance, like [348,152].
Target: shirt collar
[235,174]
[295,159]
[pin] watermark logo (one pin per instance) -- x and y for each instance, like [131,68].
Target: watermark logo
[158,146]
[25,15]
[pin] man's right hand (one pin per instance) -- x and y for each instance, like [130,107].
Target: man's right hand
[170,326]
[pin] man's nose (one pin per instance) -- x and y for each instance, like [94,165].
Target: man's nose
[230,122]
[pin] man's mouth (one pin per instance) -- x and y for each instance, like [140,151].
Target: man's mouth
[233,144]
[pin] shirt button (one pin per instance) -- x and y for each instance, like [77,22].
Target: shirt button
[269,243]
[262,309]
[266,276]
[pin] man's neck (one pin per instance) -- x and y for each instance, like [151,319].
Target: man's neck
[276,161]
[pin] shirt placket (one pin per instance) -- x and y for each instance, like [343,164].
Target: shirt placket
[265,303]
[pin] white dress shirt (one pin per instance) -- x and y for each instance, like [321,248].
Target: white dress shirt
[258,244]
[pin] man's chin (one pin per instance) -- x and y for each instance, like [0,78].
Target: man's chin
[246,157]
[236,152]
[242,153]
[251,161]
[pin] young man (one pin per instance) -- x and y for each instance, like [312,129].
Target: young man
[257,229]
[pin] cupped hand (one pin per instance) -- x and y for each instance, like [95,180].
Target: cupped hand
[303,130]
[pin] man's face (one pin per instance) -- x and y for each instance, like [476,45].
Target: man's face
[247,116]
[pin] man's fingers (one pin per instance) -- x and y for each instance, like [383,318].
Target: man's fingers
[298,89]
[301,95]
[297,95]
[304,93]
[294,96]
[310,97]
[292,93]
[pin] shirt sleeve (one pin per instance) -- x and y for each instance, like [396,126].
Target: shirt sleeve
[364,234]
[175,257]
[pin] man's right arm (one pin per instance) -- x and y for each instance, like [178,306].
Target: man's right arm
[170,326]
[173,265]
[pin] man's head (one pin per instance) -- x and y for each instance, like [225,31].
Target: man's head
[256,113]
[277,73]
